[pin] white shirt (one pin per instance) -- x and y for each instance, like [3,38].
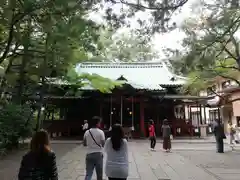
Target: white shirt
[98,135]
[85,126]
[117,161]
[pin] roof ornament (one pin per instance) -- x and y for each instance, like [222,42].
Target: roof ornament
[173,79]
[121,78]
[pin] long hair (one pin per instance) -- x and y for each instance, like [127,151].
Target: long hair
[39,142]
[40,146]
[117,136]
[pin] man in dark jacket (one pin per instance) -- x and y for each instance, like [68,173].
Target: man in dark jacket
[218,130]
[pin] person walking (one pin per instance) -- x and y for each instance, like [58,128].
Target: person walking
[40,161]
[166,133]
[116,150]
[152,135]
[94,139]
[218,130]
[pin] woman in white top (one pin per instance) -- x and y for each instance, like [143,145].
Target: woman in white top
[117,155]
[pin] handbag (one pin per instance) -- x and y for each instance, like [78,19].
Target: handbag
[94,139]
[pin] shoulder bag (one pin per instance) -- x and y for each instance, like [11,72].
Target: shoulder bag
[94,139]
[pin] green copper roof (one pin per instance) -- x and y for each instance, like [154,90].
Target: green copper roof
[148,75]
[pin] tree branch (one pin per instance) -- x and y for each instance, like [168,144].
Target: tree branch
[15,19]
[222,75]
[9,42]
[229,52]
[235,43]
[163,8]
[228,67]
[218,38]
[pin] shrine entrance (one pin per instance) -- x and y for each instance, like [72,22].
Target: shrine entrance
[121,110]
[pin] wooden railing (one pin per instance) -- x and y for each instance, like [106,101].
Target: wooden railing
[59,127]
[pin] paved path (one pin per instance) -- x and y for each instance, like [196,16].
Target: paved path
[186,162]
[193,140]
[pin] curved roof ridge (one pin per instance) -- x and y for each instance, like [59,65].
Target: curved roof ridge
[110,63]
[121,64]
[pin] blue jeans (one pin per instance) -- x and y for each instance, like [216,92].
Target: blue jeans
[94,160]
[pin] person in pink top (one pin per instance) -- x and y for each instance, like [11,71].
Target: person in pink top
[152,135]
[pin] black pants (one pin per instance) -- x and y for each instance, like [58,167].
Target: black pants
[220,145]
[117,178]
[152,142]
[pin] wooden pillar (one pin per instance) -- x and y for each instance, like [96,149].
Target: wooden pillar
[133,114]
[184,114]
[198,119]
[205,115]
[100,114]
[201,119]
[190,113]
[111,112]
[190,119]
[219,115]
[158,126]
[142,124]
[121,110]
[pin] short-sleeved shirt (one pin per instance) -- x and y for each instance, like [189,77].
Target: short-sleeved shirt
[151,131]
[98,135]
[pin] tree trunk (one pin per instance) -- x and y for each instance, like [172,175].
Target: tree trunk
[41,93]
[25,59]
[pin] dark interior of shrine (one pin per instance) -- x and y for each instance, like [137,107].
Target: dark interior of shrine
[78,110]
[109,108]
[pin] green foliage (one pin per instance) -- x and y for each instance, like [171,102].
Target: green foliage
[124,47]
[41,39]
[16,123]
[49,39]
[93,81]
[211,46]
[204,77]
[210,38]
[100,83]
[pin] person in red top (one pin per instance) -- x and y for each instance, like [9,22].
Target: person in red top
[152,135]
